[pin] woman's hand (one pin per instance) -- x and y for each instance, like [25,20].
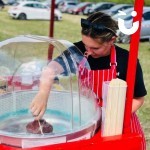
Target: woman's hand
[38,105]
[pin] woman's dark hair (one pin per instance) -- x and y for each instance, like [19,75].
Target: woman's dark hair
[99,26]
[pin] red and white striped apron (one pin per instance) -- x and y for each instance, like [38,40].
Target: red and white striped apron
[94,80]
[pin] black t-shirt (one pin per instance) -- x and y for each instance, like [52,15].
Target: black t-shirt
[122,62]
[104,63]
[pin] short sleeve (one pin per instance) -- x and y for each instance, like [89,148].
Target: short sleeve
[66,61]
[139,90]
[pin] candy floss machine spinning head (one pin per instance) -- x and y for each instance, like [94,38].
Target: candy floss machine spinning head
[72,108]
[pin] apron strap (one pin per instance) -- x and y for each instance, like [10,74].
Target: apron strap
[113,62]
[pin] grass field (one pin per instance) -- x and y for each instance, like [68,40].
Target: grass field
[69,29]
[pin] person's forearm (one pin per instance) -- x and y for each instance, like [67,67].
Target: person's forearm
[46,80]
[48,75]
[39,103]
[137,103]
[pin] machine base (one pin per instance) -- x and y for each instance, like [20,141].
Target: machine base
[120,142]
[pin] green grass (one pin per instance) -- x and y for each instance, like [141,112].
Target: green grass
[69,29]
[146,2]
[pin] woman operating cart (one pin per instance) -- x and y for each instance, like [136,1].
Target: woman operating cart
[104,57]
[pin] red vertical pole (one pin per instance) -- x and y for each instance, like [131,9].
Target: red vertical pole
[132,63]
[51,29]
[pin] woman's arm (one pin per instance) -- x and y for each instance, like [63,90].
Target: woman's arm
[139,90]
[39,103]
[137,103]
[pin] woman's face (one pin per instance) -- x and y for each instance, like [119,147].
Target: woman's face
[95,48]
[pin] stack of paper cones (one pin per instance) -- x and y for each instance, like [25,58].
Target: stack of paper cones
[114,96]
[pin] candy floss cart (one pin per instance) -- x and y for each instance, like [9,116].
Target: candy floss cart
[78,122]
